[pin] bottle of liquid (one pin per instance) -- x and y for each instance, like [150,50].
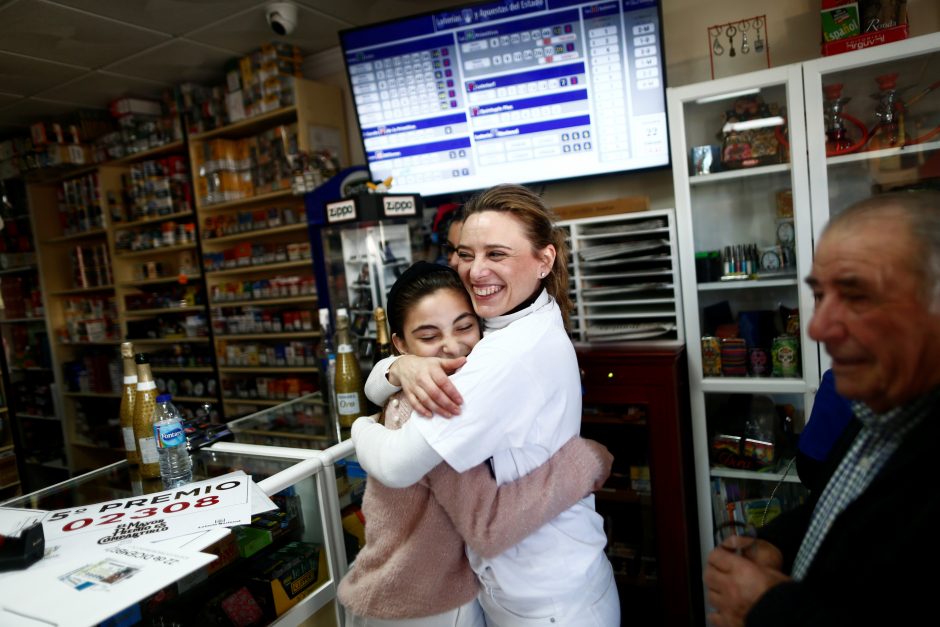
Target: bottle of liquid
[383,347]
[326,360]
[127,404]
[176,468]
[145,402]
[350,398]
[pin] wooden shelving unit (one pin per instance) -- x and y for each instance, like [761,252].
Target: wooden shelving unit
[152,262]
[256,255]
[157,290]
[9,465]
[30,421]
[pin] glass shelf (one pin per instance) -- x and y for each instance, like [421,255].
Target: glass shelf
[731,175]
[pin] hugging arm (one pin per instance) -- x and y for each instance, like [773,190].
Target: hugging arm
[422,379]
[492,518]
[398,458]
[378,388]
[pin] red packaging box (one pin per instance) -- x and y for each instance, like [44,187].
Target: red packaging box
[867,40]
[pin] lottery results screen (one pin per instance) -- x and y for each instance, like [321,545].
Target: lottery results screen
[515,91]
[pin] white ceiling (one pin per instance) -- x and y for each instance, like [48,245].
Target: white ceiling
[59,56]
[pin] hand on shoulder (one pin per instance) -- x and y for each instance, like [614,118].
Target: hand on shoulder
[425,383]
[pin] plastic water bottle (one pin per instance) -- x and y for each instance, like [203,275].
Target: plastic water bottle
[176,468]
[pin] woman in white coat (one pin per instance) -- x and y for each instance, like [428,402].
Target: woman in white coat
[521,397]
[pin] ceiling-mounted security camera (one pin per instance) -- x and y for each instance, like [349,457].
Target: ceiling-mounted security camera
[282,17]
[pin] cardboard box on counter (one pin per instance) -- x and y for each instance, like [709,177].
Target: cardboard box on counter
[280,580]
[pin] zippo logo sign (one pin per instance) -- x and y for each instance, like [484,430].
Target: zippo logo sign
[340,211]
[399,206]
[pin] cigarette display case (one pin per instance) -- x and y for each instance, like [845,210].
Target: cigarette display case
[309,488]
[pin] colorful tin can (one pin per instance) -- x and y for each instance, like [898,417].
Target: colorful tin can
[733,357]
[757,361]
[711,356]
[785,355]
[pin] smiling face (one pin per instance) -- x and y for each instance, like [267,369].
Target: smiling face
[441,324]
[871,312]
[497,264]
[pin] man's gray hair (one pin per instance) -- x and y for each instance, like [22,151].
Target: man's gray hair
[922,210]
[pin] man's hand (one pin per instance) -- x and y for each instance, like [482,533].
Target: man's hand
[736,582]
[425,384]
[764,554]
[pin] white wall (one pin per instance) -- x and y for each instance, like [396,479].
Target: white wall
[792,36]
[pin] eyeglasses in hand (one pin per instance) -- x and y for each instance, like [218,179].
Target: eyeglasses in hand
[735,536]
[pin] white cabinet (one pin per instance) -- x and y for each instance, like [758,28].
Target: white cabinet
[870,109]
[856,124]
[625,278]
[745,242]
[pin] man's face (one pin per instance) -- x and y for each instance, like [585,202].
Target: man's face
[871,313]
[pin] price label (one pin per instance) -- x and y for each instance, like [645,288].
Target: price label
[192,507]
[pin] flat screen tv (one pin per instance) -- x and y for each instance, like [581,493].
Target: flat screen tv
[519,91]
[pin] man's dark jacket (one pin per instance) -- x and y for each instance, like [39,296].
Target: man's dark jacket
[878,564]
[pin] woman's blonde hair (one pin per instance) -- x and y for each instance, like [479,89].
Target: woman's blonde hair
[538,223]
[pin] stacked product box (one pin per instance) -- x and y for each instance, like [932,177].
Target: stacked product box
[202,107]
[224,171]
[157,187]
[280,354]
[246,221]
[247,254]
[262,81]
[234,169]
[251,320]
[275,287]
[53,143]
[142,124]
[91,265]
[855,24]
[268,388]
[79,204]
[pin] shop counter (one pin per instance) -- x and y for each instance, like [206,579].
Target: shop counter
[309,487]
[300,423]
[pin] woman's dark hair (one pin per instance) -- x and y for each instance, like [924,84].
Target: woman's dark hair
[421,279]
[442,225]
[538,223]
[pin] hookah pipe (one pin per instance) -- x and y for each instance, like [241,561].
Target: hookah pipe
[895,107]
[833,98]
[832,93]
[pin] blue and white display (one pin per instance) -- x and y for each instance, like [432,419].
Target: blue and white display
[514,91]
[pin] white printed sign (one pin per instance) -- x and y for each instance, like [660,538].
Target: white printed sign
[399,206]
[341,211]
[219,502]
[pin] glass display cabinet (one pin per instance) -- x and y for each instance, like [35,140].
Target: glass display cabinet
[750,206]
[368,241]
[745,242]
[873,125]
[302,423]
[308,486]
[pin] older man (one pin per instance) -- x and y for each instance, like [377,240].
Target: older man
[864,551]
